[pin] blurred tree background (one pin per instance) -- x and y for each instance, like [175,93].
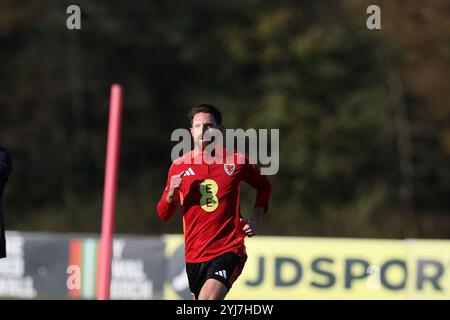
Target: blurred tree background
[363,115]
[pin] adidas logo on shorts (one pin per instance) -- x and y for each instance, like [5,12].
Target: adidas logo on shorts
[189,172]
[222,273]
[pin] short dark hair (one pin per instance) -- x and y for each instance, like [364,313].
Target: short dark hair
[206,108]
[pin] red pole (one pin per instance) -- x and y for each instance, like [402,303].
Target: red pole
[109,193]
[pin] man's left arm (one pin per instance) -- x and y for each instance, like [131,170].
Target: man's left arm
[253,177]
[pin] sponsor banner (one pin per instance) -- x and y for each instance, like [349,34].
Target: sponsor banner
[65,266]
[331,268]
[16,276]
[53,266]
[429,269]
[176,285]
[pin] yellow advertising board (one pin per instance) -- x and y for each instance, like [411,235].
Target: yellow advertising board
[335,268]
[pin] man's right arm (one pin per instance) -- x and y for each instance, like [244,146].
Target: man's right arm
[167,205]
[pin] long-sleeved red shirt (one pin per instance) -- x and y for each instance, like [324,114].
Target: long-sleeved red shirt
[209,198]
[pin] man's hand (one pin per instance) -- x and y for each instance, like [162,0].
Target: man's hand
[175,183]
[250,225]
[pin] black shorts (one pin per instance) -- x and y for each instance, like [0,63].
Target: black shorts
[224,268]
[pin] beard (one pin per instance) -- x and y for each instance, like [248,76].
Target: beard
[202,141]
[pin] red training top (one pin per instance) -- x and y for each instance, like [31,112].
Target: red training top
[209,198]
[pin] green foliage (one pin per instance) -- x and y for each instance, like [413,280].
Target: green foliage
[307,68]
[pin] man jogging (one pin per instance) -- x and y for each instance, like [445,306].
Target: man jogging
[214,230]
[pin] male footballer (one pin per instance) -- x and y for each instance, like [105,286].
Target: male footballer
[213,227]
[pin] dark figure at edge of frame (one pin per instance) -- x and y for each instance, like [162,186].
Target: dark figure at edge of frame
[5,170]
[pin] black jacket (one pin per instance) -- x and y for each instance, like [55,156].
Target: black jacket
[5,170]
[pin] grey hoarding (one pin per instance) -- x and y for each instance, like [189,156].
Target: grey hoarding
[42,265]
